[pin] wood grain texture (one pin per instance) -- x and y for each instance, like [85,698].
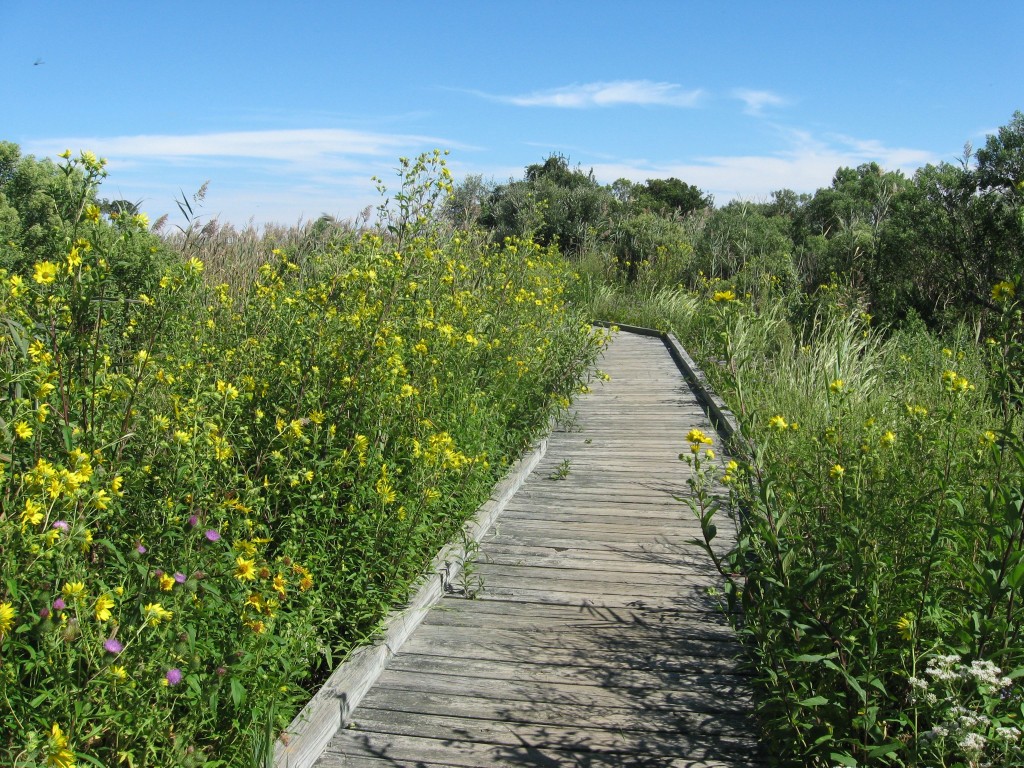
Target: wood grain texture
[593,638]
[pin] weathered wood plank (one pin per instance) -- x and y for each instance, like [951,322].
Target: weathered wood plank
[592,695]
[564,736]
[575,709]
[708,686]
[715,657]
[353,748]
[528,617]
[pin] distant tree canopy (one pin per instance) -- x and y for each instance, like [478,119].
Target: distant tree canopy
[553,204]
[931,245]
[671,196]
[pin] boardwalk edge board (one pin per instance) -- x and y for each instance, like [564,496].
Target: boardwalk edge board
[331,706]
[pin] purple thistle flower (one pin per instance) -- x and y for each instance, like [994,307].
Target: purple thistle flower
[62,525]
[173,676]
[213,535]
[113,645]
[44,613]
[180,577]
[193,520]
[59,604]
[140,549]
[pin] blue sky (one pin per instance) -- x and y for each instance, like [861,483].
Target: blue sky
[289,108]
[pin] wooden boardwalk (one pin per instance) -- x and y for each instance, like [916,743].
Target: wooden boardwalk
[593,641]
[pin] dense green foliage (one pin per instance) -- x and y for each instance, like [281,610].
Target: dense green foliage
[212,490]
[927,247]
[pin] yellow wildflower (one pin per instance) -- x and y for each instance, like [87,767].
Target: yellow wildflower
[73,589]
[955,382]
[57,753]
[1003,290]
[32,514]
[386,491]
[166,582]
[154,614]
[905,626]
[7,615]
[246,570]
[697,437]
[22,430]
[836,386]
[727,295]
[44,272]
[778,423]
[280,585]
[103,605]
[888,438]
[837,471]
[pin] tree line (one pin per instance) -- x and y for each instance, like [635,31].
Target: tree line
[927,246]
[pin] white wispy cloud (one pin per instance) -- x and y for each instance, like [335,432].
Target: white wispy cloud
[606,94]
[755,102]
[294,145]
[272,176]
[805,165]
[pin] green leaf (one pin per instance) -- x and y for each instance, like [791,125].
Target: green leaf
[1016,576]
[814,701]
[237,692]
[843,759]
[885,749]
[82,756]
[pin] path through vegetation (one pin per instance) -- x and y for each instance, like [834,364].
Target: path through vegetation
[590,639]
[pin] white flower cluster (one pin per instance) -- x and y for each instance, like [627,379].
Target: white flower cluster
[970,729]
[1010,734]
[948,668]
